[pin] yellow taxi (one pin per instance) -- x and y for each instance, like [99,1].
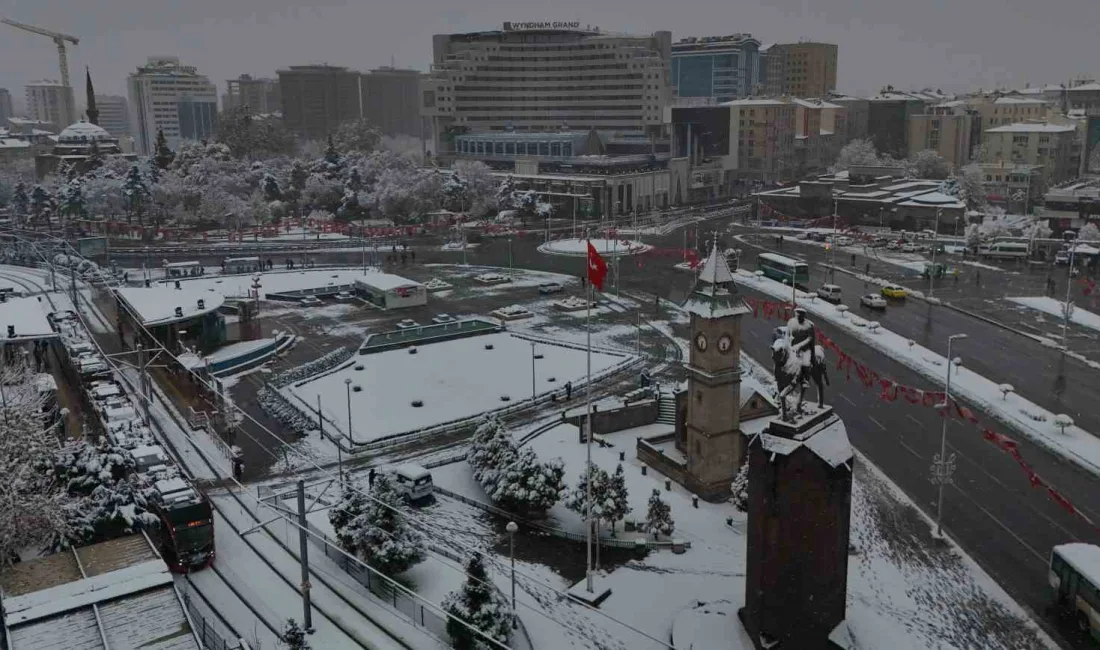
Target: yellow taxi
[894,291]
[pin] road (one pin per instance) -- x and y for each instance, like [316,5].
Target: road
[991,511]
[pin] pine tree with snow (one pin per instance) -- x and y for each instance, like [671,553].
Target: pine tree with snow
[72,200]
[20,202]
[739,488]
[43,206]
[381,537]
[479,605]
[525,485]
[161,153]
[577,499]
[294,637]
[352,504]
[355,180]
[137,194]
[355,136]
[333,162]
[491,449]
[506,194]
[618,505]
[658,516]
[94,160]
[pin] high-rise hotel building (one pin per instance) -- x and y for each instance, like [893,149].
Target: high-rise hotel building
[546,77]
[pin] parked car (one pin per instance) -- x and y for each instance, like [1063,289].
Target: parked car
[872,301]
[909,247]
[893,246]
[344,295]
[412,482]
[406,324]
[830,292]
[550,287]
[845,241]
[1061,257]
[894,291]
[309,301]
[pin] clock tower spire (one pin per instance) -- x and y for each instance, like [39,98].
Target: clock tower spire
[712,438]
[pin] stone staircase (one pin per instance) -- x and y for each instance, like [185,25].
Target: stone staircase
[666,413]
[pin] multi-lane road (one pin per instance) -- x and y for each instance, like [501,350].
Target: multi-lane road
[991,510]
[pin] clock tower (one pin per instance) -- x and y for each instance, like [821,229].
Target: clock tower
[712,438]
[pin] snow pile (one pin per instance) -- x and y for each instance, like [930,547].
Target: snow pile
[1057,308]
[1075,443]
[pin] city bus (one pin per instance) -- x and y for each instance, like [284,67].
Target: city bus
[784,269]
[1075,578]
[1004,249]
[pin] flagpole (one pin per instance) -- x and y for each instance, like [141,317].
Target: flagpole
[588,433]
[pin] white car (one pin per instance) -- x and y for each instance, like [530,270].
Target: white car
[845,241]
[550,287]
[309,301]
[830,292]
[908,247]
[872,301]
[407,324]
[344,295]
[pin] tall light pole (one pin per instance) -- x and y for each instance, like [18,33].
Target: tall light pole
[832,270]
[512,528]
[339,449]
[532,370]
[942,465]
[932,269]
[1066,308]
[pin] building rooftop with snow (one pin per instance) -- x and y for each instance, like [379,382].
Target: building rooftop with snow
[116,594]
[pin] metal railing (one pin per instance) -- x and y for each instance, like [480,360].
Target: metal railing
[209,636]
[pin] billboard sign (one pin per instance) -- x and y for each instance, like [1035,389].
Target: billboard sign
[91,246]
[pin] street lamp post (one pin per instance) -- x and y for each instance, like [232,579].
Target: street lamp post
[942,465]
[512,528]
[932,269]
[532,370]
[1067,309]
[832,270]
[339,452]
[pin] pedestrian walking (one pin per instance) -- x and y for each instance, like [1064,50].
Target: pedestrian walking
[370,478]
[413,255]
[568,390]
[404,257]
[853,259]
[867,268]
[978,278]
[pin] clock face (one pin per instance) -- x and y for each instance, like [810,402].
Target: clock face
[725,343]
[701,341]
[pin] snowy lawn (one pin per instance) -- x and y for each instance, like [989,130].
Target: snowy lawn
[451,380]
[1021,414]
[605,247]
[1057,308]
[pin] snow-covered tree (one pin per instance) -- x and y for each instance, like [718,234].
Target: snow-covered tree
[381,537]
[658,516]
[137,194]
[357,135]
[73,204]
[525,485]
[618,505]
[271,189]
[43,205]
[161,153]
[94,160]
[491,449]
[20,201]
[506,194]
[479,605]
[352,504]
[332,163]
[971,188]
[32,504]
[404,146]
[928,164]
[249,136]
[577,499]
[1038,229]
[294,637]
[404,195]
[856,153]
[107,500]
[739,489]
[1089,232]
[973,235]
[479,187]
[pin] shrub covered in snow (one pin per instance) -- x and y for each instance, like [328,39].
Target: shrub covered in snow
[294,637]
[352,504]
[380,536]
[513,478]
[317,366]
[739,489]
[479,605]
[658,516]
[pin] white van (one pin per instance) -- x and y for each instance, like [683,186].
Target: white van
[830,292]
[411,481]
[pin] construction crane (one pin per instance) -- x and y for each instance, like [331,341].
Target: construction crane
[58,38]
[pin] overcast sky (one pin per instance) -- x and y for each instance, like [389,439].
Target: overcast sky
[953,45]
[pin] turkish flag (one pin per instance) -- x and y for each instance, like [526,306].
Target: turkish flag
[597,267]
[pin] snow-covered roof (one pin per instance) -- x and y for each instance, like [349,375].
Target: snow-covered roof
[1085,558]
[385,281]
[84,132]
[827,439]
[813,103]
[12,143]
[756,102]
[28,318]
[157,305]
[1023,127]
[715,294]
[935,198]
[1018,100]
[1093,87]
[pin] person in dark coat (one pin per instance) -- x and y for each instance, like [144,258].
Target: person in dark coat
[370,478]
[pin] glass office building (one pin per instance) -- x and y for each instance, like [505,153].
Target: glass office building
[716,68]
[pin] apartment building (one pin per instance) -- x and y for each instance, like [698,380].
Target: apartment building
[800,69]
[719,68]
[166,95]
[539,77]
[391,101]
[49,101]
[1043,144]
[6,108]
[114,114]
[944,128]
[317,98]
[260,95]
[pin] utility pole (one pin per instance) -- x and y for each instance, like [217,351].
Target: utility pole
[943,466]
[143,373]
[303,552]
[532,370]
[1067,309]
[932,269]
